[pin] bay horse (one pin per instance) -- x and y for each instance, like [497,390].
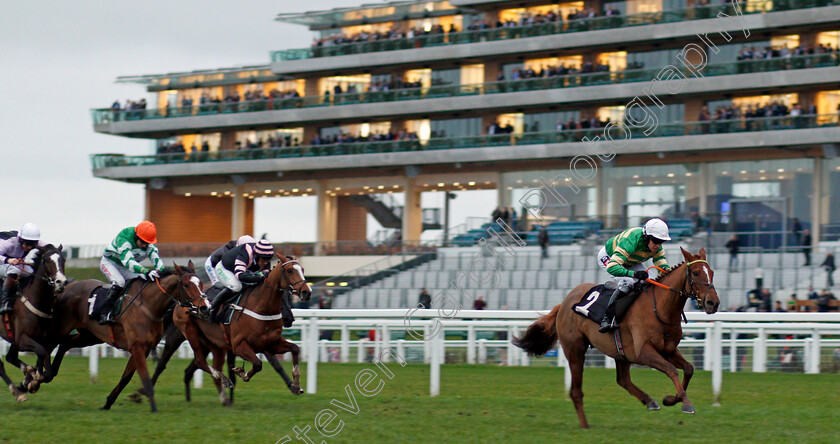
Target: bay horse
[649,332]
[256,327]
[27,329]
[139,325]
[173,338]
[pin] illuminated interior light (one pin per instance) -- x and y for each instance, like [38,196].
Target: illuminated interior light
[471,184]
[456,184]
[381,187]
[670,174]
[227,193]
[268,191]
[440,184]
[187,194]
[295,190]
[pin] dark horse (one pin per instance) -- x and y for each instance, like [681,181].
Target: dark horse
[139,325]
[650,332]
[256,328]
[32,317]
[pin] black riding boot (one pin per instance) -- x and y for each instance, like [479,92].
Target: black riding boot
[106,314]
[608,323]
[217,303]
[7,302]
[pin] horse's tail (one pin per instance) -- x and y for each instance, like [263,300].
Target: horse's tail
[540,336]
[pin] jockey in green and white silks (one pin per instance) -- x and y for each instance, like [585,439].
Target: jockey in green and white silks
[623,257]
[121,262]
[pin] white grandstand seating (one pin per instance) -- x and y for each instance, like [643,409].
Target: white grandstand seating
[528,282]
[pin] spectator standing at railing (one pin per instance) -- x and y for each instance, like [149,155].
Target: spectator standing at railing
[425,299]
[829,267]
[479,303]
[806,246]
[733,246]
[824,301]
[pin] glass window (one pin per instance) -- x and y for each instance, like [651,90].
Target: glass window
[546,122]
[652,59]
[472,74]
[446,77]
[455,128]
[729,53]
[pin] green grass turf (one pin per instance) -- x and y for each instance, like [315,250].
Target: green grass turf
[479,404]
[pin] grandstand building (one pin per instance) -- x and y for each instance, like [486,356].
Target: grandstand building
[588,116]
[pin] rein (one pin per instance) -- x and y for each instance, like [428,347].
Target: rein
[689,294]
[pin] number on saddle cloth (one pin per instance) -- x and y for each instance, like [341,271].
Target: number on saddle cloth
[593,305]
[97,298]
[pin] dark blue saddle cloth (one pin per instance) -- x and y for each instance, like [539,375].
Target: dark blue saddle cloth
[97,297]
[594,303]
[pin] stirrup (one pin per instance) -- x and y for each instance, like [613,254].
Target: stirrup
[607,326]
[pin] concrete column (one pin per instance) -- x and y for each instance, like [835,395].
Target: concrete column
[818,199]
[503,195]
[238,213]
[602,185]
[327,218]
[228,141]
[412,222]
[703,194]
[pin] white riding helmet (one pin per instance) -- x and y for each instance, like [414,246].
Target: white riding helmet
[30,232]
[657,228]
[245,239]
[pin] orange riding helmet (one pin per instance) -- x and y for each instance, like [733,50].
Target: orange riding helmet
[146,231]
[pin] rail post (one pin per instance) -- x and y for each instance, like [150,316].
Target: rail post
[312,363]
[717,362]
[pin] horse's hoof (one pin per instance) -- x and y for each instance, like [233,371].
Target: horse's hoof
[670,400]
[226,382]
[135,397]
[653,405]
[238,370]
[687,408]
[33,387]
[295,389]
[21,398]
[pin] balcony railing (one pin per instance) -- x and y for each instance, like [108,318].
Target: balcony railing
[575,135]
[543,29]
[108,115]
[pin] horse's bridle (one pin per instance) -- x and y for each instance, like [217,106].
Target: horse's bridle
[291,288]
[189,301]
[690,283]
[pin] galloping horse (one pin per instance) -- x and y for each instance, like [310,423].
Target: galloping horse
[28,327]
[255,329]
[649,332]
[139,325]
[173,338]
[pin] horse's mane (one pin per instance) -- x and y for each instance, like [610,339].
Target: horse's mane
[668,272]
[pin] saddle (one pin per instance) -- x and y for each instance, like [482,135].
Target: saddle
[99,295]
[593,304]
[234,304]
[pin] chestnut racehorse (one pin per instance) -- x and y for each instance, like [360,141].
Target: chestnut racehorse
[255,328]
[139,325]
[32,317]
[650,332]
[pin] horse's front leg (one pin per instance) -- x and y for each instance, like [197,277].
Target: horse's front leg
[34,374]
[17,391]
[680,362]
[274,359]
[651,358]
[13,358]
[244,351]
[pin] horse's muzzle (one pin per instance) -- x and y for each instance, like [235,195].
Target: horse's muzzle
[711,307]
[305,293]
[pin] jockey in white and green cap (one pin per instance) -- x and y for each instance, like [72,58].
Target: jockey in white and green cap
[623,257]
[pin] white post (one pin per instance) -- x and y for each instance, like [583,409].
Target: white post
[304,344]
[561,357]
[182,350]
[345,343]
[361,351]
[609,362]
[717,362]
[386,344]
[198,379]
[470,344]
[567,377]
[482,351]
[324,356]
[401,349]
[511,349]
[312,363]
[807,357]
[707,350]
[434,373]
[733,351]
[760,352]
[93,363]
[815,352]
[427,345]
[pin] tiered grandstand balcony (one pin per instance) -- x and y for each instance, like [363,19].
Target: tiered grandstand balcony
[597,87]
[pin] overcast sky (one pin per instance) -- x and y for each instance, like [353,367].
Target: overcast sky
[60,59]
